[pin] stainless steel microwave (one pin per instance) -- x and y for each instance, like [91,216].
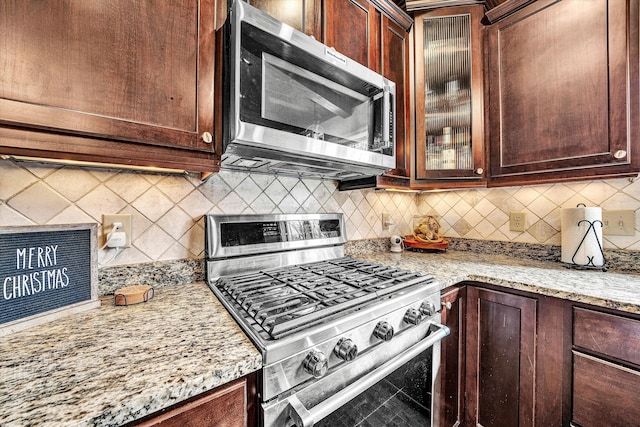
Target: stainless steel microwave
[294,106]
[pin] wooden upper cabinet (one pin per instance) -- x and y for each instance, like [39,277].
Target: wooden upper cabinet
[376,34]
[79,77]
[303,15]
[352,27]
[449,144]
[563,92]
[395,67]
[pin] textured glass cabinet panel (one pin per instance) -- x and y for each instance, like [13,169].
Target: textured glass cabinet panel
[447,92]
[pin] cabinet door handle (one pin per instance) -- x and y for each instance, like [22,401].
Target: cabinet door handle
[206,137]
[479,171]
[620,154]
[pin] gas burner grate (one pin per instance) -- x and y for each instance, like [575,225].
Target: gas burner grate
[280,301]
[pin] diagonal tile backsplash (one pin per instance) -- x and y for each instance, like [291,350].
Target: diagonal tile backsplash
[484,214]
[167,209]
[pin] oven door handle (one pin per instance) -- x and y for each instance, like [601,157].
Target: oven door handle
[303,417]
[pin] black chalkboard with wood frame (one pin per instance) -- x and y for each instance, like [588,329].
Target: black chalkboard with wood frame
[46,272]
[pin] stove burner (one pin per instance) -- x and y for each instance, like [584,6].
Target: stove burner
[284,300]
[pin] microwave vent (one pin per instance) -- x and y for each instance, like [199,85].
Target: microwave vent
[305,170]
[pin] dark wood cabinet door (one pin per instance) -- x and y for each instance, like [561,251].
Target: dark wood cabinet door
[138,72]
[563,91]
[376,34]
[303,15]
[230,405]
[500,358]
[395,67]
[352,27]
[450,396]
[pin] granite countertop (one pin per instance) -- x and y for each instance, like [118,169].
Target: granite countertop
[112,365]
[619,291]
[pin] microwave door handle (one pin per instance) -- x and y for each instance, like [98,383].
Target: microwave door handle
[386,117]
[303,417]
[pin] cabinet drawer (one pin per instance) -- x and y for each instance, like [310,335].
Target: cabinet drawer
[607,334]
[604,394]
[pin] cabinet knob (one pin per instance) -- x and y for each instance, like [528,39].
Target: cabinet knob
[620,154]
[207,138]
[479,171]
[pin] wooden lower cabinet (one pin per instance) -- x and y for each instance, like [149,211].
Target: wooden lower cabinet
[451,392]
[605,394]
[507,361]
[500,358]
[606,369]
[516,358]
[231,405]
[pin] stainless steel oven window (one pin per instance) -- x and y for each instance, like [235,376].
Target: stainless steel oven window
[402,399]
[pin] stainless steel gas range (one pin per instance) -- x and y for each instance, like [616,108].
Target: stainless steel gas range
[331,329]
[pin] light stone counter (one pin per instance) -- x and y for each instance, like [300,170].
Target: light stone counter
[620,291]
[111,365]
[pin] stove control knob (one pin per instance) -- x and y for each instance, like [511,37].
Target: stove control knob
[383,331]
[346,349]
[413,316]
[427,308]
[316,364]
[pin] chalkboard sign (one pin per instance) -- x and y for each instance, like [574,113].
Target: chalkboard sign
[46,272]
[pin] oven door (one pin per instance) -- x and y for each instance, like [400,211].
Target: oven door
[398,392]
[290,94]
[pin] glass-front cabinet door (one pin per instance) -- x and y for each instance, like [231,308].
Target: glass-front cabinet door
[449,149]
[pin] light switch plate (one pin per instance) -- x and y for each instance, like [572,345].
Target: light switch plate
[619,223]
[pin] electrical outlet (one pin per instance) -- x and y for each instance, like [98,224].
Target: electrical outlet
[619,223]
[107,226]
[386,221]
[517,221]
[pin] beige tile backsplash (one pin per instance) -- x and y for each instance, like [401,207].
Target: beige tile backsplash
[484,214]
[167,209]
